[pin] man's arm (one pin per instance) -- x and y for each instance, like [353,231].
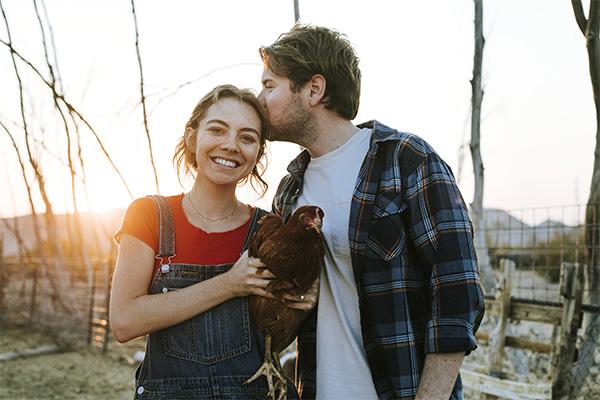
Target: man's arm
[441,232]
[439,375]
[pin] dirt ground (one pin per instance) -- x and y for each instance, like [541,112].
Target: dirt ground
[72,373]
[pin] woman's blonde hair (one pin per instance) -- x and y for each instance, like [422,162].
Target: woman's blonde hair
[185,156]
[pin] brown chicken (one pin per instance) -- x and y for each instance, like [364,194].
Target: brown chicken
[294,253]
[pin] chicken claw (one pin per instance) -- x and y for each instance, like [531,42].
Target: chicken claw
[271,370]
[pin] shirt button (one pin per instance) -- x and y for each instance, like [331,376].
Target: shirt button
[164,290]
[140,390]
[165,268]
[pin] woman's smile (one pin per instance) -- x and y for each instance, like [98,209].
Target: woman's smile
[225,163]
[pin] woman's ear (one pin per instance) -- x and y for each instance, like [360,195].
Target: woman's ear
[317,85]
[190,139]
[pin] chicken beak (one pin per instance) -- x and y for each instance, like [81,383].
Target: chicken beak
[316,223]
[315,226]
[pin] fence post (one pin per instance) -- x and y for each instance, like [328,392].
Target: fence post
[2,282]
[564,343]
[586,297]
[34,285]
[107,281]
[91,302]
[498,335]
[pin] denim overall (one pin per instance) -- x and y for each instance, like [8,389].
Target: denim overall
[210,355]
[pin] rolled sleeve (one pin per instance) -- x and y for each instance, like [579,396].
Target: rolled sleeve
[442,235]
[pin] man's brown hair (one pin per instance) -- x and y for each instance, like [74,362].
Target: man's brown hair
[309,50]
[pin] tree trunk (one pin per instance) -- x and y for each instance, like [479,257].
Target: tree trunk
[296,11]
[487,275]
[592,217]
[590,29]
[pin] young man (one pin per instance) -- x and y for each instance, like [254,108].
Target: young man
[400,298]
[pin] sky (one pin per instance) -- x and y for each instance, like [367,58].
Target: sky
[538,122]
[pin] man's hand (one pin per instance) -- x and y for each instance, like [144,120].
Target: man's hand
[304,301]
[439,375]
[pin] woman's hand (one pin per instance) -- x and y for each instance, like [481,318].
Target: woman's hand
[306,301]
[248,276]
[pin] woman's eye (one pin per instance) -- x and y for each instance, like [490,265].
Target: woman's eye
[248,139]
[215,130]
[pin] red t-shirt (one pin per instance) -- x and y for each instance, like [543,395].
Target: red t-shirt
[192,244]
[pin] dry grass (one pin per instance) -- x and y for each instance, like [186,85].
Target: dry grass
[80,373]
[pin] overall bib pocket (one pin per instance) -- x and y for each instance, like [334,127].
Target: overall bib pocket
[218,334]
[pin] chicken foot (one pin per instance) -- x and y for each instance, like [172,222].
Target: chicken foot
[271,369]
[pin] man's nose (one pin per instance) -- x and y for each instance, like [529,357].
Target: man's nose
[261,98]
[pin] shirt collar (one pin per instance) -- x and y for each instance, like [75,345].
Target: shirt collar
[380,134]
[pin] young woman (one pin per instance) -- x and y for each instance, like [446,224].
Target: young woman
[182,275]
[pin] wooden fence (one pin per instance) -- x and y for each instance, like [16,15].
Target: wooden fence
[565,319]
[29,296]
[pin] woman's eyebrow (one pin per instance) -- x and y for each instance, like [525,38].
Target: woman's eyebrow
[221,122]
[218,121]
[248,129]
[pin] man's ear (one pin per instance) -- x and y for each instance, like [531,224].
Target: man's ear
[316,85]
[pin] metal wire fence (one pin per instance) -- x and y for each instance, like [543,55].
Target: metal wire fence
[550,317]
[539,240]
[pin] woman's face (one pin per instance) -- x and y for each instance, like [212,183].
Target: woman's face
[227,142]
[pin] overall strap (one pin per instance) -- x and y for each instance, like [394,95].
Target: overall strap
[256,216]
[166,229]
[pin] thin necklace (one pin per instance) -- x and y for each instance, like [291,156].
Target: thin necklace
[209,219]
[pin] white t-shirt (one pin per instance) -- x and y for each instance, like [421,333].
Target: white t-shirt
[329,180]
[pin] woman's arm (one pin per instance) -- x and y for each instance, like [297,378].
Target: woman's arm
[134,312]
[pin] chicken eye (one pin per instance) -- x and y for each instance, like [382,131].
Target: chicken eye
[320,213]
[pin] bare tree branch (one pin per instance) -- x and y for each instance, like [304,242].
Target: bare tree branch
[44,45]
[62,296]
[174,90]
[579,15]
[34,164]
[76,233]
[143,98]
[51,34]
[22,165]
[72,109]
[49,152]
[36,225]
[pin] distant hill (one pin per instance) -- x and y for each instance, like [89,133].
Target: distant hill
[505,230]
[104,224]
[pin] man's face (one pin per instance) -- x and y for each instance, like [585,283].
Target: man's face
[288,116]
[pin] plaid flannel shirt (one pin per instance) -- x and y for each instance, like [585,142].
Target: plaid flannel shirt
[413,260]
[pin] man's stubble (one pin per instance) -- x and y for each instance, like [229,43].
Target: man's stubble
[295,124]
